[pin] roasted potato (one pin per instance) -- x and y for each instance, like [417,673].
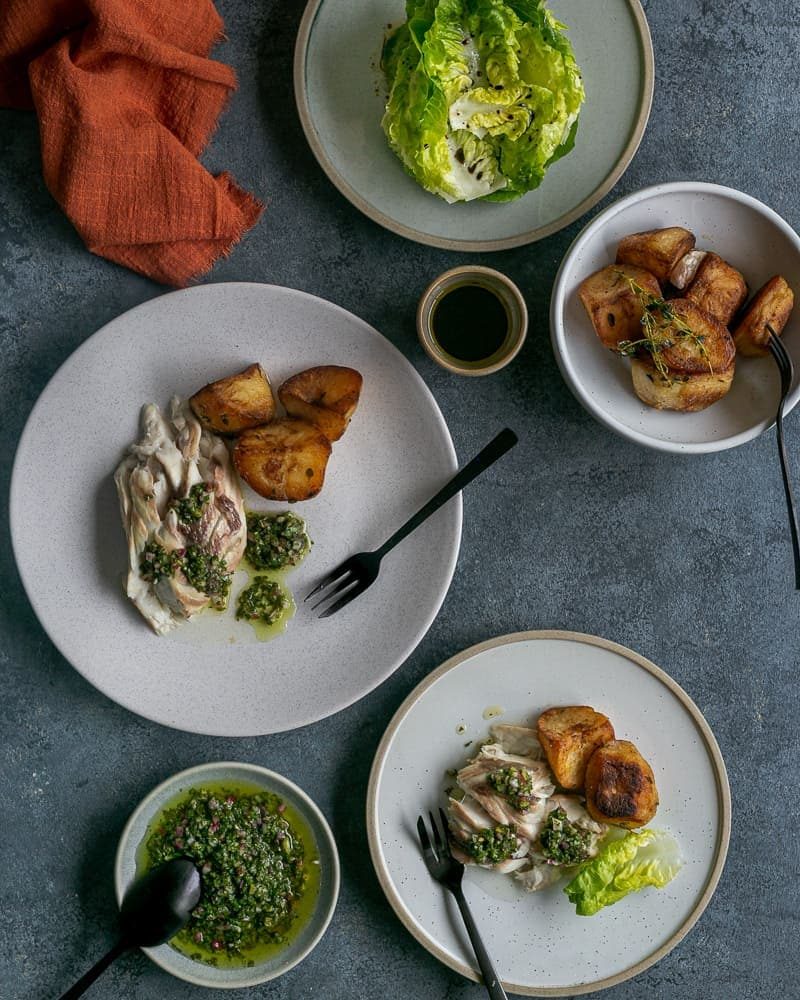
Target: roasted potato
[696,362]
[718,288]
[283,460]
[772,304]
[613,306]
[682,275]
[620,786]
[326,396]
[235,403]
[657,250]
[569,736]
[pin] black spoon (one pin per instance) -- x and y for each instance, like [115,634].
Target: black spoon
[154,909]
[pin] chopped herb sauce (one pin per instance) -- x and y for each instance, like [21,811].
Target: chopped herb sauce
[276,541]
[190,508]
[208,574]
[515,784]
[264,600]
[493,845]
[562,842]
[156,563]
[254,868]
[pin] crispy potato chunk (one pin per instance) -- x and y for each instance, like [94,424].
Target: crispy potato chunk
[326,396]
[698,361]
[620,786]
[684,393]
[613,307]
[284,460]
[772,304]
[718,288]
[657,250]
[235,403]
[569,737]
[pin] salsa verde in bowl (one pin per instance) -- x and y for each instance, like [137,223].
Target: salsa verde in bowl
[268,863]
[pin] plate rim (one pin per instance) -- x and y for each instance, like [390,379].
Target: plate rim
[558,303]
[264,776]
[309,719]
[715,754]
[473,246]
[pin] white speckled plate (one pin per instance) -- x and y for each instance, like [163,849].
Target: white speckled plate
[316,835]
[211,675]
[341,95]
[539,946]
[740,228]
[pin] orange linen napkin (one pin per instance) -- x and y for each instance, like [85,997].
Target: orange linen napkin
[127,99]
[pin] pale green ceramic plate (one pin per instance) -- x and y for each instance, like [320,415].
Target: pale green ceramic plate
[341,94]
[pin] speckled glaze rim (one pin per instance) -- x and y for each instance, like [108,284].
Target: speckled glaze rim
[558,335]
[473,246]
[270,781]
[715,755]
[509,294]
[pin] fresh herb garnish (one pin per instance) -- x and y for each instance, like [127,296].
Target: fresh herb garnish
[562,842]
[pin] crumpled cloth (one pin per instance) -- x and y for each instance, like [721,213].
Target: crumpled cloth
[127,98]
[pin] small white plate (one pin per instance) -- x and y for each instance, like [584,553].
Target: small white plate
[317,833]
[211,675]
[538,944]
[743,230]
[341,95]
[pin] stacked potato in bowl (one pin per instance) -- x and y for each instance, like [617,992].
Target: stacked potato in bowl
[676,311]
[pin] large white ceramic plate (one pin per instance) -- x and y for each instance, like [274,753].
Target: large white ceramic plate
[341,95]
[540,947]
[316,834]
[741,229]
[212,675]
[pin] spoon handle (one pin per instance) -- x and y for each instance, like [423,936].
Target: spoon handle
[96,971]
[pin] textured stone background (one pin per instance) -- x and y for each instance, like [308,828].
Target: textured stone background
[686,560]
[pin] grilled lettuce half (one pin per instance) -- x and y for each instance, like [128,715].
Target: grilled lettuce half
[484,95]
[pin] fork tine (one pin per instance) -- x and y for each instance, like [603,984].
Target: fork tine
[436,835]
[446,832]
[424,839]
[346,595]
[342,570]
[335,587]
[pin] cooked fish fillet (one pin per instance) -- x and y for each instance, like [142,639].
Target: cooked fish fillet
[174,454]
[472,779]
[520,740]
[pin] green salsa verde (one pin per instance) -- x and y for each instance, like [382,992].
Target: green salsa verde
[258,864]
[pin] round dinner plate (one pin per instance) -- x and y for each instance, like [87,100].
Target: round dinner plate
[212,675]
[540,947]
[341,94]
[743,230]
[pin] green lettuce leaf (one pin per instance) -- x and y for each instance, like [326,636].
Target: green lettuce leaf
[484,95]
[646,858]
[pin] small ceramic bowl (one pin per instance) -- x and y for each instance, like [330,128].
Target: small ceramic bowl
[511,299]
[317,831]
[748,234]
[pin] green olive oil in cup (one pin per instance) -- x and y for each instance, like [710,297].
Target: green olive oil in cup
[472,320]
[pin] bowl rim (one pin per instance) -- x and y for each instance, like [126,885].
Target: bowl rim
[533,235]
[273,781]
[575,382]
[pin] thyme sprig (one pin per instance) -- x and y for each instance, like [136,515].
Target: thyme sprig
[658,315]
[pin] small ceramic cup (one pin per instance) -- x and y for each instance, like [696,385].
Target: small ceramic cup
[511,299]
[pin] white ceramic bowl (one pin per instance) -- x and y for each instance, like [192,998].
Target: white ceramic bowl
[316,826]
[744,231]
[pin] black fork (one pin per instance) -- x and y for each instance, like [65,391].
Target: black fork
[786,369]
[352,577]
[448,872]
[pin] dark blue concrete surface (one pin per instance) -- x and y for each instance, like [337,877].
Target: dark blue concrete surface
[685,560]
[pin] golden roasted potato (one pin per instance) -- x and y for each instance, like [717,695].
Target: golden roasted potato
[692,362]
[718,288]
[569,736]
[657,250]
[620,786]
[613,306]
[327,396]
[772,304]
[235,403]
[283,460]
